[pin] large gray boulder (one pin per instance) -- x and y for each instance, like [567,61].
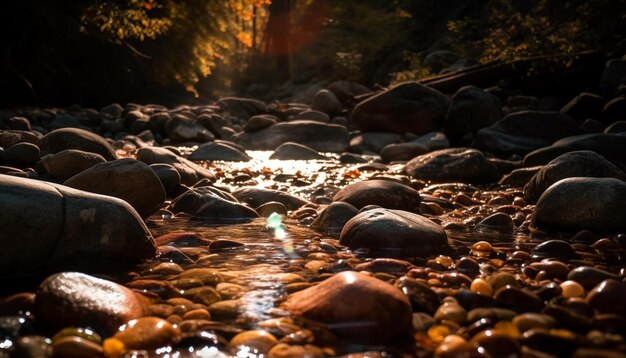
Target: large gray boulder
[582,163]
[323,137]
[408,107]
[574,204]
[128,179]
[48,226]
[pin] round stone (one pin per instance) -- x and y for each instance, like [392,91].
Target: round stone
[255,342]
[147,333]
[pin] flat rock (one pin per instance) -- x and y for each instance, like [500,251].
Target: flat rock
[48,226]
[256,197]
[522,132]
[406,151]
[454,164]
[67,163]
[128,179]
[76,138]
[295,151]
[258,122]
[356,307]
[210,203]
[322,137]
[610,146]
[574,204]
[221,150]
[384,193]
[408,107]
[184,129]
[190,172]
[394,230]
[74,299]
[573,164]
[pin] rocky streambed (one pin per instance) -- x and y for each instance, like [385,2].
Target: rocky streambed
[444,226]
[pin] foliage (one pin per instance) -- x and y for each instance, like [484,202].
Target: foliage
[518,29]
[414,71]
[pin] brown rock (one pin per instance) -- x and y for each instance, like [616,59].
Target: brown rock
[355,306]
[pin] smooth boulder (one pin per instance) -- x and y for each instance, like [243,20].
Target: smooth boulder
[574,204]
[48,226]
[522,132]
[76,138]
[396,231]
[407,107]
[332,219]
[219,150]
[256,197]
[454,164]
[582,163]
[356,307]
[322,137]
[295,151]
[75,299]
[211,203]
[67,163]
[384,193]
[190,172]
[128,179]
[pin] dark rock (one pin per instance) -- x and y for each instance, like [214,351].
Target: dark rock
[454,164]
[17,123]
[440,59]
[50,226]
[351,158]
[384,193]
[65,120]
[471,109]
[409,150]
[258,122]
[591,126]
[210,203]
[585,105]
[21,155]
[75,138]
[74,299]
[517,299]
[616,127]
[190,173]
[12,137]
[554,248]
[394,230]
[408,107]
[498,221]
[313,116]
[256,197]
[183,129]
[610,146]
[373,142]
[589,276]
[607,297]
[295,151]
[332,219]
[613,75]
[519,177]
[241,107]
[169,177]
[113,110]
[522,132]
[614,110]
[422,298]
[128,179]
[221,150]
[356,307]
[573,164]
[67,163]
[574,204]
[323,137]
[326,102]
[347,91]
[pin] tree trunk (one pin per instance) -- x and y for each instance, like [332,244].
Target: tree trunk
[278,34]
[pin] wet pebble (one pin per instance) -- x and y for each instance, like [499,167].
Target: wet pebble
[529,320]
[75,347]
[452,311]
[589,276]
[496,343]
[282,350]
[254,342]
[147,333]
[31,347]
[554,248]
[572,289]
[607,297]
[518,299]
